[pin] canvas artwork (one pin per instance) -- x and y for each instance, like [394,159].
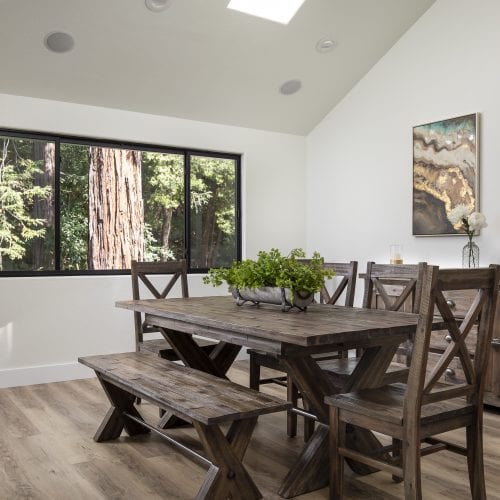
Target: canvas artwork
[445,172]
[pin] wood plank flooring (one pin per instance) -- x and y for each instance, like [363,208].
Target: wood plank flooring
[47,452]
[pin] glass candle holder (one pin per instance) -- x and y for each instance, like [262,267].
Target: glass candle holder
[396,254]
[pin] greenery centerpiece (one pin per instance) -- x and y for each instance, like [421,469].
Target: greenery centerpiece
[275,278]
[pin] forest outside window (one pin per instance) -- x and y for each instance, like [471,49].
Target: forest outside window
[77,206]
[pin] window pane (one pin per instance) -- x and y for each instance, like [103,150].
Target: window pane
[103,225]
[118,205]
[74,203]
[27,169]
[213,212]
[163,191]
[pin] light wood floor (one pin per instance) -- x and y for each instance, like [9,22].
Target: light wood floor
[47,452]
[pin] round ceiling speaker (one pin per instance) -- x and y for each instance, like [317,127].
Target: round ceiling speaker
[59,42]
[325,45]
[291,87]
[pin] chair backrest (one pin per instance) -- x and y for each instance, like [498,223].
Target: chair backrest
[349,272]
[423,385]
[140,272]
[406,276]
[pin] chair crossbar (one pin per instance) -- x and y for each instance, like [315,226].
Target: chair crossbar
[332,299]
[154,291]
[409,288]
[371,462]
[458,336]
[448,392]
[453,447]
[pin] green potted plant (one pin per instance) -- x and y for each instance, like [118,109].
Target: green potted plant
[274,278]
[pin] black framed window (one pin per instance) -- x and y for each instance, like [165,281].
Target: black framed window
[81,206]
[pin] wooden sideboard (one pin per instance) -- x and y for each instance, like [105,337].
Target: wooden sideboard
[459,302]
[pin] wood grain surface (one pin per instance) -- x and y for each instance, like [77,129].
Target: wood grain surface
[186,392]
[319,325]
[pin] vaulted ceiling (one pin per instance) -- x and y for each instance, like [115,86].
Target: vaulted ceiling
[197,59]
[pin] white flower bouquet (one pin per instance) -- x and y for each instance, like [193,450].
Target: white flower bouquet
[462,217]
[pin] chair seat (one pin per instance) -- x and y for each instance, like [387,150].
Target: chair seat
[386,403]
[162,348]
[344,367]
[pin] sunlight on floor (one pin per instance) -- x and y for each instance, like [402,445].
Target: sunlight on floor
[6,341]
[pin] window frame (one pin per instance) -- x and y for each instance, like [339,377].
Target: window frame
[57,139]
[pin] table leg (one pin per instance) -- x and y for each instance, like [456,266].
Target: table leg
[191,354]
[311,470]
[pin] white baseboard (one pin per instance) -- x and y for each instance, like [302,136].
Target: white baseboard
[13,377]
[43,374]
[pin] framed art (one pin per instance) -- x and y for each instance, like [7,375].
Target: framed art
[445,172]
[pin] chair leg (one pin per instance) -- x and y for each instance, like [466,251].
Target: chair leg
[396,453]
[411,468]
[337,439]
[254,373]
[474,434]
[292,393]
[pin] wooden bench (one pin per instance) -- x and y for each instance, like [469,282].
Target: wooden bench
[198,397]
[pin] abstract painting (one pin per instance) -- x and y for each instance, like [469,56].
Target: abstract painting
[445,172]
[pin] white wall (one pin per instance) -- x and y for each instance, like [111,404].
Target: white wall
[359,158]
[47,322]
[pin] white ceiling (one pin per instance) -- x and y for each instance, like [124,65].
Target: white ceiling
[198,59]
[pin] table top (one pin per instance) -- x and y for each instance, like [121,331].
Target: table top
[320,325]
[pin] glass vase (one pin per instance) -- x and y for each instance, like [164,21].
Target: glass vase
[470,255]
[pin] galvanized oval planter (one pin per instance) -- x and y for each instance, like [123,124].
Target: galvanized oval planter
[273,295]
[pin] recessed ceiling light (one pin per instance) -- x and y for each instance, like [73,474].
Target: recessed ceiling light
[291,87]
[157,5]
[59,42]
[280,11]
[325,45]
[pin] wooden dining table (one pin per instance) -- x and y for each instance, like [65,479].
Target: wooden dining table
[294,337]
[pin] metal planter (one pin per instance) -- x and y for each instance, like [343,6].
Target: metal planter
[273,295]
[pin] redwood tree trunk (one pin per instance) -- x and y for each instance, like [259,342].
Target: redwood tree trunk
[42,249]
[209,242]
[165,232]
[116,214]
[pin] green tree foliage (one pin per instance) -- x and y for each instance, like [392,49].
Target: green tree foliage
[18,193]
[213,205]
[163,191]
[74,206]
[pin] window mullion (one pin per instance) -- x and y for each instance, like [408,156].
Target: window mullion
[187,208]
[57,206]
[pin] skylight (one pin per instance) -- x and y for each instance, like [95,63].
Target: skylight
[280,11]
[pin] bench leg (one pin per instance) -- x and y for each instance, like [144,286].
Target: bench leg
[114,421]
[227,478]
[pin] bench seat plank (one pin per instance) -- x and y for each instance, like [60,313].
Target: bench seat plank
[188,393]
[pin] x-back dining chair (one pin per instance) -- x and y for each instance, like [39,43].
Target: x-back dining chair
[143,272]
[329,295]
[415,412]
[394,287]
